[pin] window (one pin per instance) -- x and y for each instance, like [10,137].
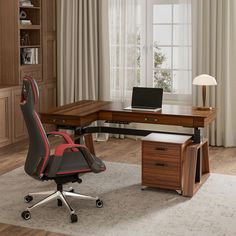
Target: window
[169,34]
[150,44]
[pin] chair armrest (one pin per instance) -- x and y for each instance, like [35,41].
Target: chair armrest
[95,164]
[58,154]
[59,150]
[66,137]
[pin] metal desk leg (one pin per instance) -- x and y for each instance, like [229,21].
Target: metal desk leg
[197,135]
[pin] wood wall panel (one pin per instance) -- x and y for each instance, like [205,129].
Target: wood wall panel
[34,71]
[9,47]
[47,100]
[5,118]
[47,94]
[0,47]
[19,127]
[51,63]
[50,96]
[49,40]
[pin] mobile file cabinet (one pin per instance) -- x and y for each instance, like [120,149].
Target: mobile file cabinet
[169,161]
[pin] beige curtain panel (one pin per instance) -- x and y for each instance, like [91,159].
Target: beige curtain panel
[83,50]
[214,53]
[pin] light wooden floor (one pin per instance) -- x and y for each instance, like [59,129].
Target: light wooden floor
[222,160]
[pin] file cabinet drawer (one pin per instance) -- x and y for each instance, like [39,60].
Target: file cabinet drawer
[160,150]
[162,158]
[161,173]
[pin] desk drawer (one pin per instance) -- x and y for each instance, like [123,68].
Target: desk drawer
[155,150]
[161,174]
[158,118]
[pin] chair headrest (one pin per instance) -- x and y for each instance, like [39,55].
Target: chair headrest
[29,88]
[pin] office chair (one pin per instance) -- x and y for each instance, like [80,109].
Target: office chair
[68,162]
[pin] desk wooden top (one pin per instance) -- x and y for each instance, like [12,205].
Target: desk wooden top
[84,112]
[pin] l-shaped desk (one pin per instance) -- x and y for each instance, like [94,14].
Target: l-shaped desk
[80,115]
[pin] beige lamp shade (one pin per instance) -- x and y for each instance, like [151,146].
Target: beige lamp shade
[204,80]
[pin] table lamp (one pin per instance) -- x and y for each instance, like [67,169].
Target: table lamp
[204,80]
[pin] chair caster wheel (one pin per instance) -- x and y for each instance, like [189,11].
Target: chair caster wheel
[99,203]
[26,215]
[73,218]
[59,202]
[28,198]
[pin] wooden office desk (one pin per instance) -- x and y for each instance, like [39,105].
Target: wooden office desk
[83,113]
[79,115]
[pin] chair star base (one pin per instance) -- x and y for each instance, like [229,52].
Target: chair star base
[60,196]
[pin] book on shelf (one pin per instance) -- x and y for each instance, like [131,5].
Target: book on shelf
[26,3]
[29,56]
[25,22]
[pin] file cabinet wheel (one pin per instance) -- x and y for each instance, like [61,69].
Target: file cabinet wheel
[26,215]
[99,203]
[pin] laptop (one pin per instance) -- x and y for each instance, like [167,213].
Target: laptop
[146,99]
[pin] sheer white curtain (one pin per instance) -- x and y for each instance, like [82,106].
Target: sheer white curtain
[124,52]
[124,21]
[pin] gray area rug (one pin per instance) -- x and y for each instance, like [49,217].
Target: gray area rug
[127,210]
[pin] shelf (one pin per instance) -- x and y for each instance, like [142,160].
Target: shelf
[25,7]
[29,65]
[7,86]
[31,46]
[30,27]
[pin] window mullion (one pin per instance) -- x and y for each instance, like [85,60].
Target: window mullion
[172,49]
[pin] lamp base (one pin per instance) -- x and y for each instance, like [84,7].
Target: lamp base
[203,108]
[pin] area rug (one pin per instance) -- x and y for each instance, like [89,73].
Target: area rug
[127,209]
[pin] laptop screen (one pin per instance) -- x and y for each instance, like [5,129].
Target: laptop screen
[150,98]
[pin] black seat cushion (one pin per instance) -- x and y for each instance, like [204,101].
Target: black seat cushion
[74,162]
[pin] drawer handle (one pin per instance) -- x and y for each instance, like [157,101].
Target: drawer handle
[63,121]
[150,119]
[161,149]
[161,164]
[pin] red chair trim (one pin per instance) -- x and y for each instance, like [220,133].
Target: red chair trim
[74,171]
[61,148]
[66,137]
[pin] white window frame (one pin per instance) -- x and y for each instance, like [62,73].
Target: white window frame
[148,28]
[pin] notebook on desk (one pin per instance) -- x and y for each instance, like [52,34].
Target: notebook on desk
[146,99]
